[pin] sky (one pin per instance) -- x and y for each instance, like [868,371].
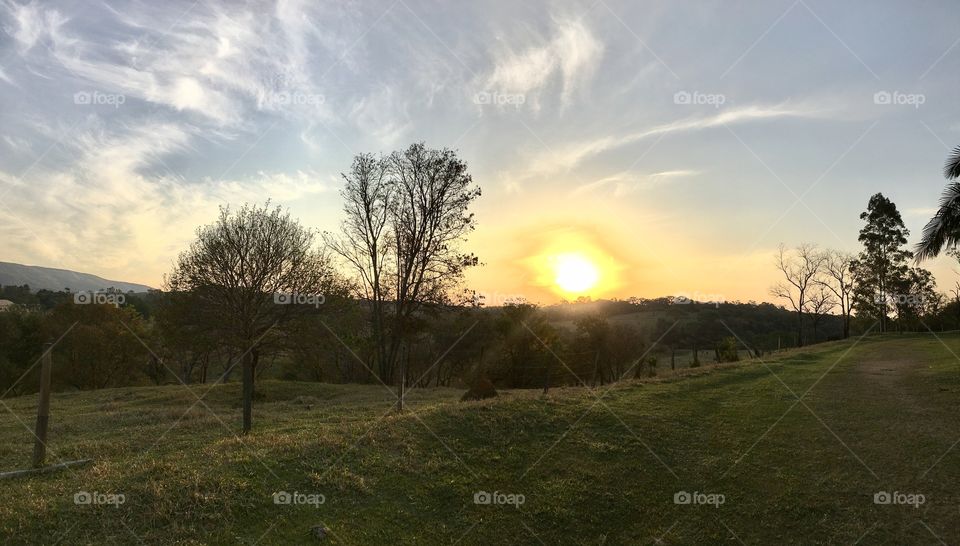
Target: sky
[671,144]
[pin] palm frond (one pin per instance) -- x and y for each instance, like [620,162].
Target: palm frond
[944,228]
[952,168]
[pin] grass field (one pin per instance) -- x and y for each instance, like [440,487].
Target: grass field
[593,466]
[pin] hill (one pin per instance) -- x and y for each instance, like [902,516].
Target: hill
[875,416]
[48,278]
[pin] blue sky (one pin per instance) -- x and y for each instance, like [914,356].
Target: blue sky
[680,142]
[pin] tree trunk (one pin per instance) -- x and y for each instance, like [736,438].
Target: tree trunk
[404,364]
[799,328]
[403,379]
[596,364]
[248,366]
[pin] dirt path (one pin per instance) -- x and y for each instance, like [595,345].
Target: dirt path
[890,409]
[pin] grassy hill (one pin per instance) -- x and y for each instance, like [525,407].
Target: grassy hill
[593,466]
[48,278]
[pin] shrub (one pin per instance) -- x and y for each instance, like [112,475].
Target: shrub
[727,350]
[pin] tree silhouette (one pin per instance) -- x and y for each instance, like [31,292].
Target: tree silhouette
[882,263]
[243,273]
[406,216]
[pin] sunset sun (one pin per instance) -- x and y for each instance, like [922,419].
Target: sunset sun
[575,273]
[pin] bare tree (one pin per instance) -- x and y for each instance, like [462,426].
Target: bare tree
[839,279]
[364,241]
[800,269]
[250,273]
[822,301]
[955,291]
[407,215]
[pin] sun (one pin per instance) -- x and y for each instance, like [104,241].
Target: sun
[575,273]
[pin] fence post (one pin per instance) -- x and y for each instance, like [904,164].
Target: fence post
[43,408]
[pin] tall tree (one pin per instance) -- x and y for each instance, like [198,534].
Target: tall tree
[882,263]
[943,230]
[800,269]
[407,215]
[250,273]
[364,242]
[838,278]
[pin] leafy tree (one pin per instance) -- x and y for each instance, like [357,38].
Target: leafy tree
[914,296]
[249,274]
[594,332]
[526,340]
[21,341]
[882,264]
[625,347]
[188,339]
[104,346]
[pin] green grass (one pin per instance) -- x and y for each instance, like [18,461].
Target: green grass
[880,415]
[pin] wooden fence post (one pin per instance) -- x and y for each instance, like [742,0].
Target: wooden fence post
[43,408]
[546,378]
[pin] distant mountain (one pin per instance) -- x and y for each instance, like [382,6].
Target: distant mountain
[58,279]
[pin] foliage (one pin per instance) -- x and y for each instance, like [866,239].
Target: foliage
[727,350]
[943,230]
[884,280]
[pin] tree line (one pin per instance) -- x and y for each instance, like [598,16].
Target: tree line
[882,283]
[257,294]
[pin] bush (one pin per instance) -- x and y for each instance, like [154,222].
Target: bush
[480,389]
[727,350]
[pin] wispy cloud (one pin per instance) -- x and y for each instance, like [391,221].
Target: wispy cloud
[31,24]
[571,54]
[567,157]
[626,182]
[89,214]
